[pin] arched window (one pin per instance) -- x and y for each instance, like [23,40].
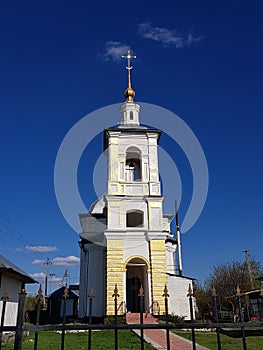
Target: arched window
[134,218]
[131,115]
[133,164]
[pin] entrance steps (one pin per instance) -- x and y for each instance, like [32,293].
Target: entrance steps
[134,318]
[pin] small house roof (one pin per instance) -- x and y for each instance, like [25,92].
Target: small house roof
[6,265]
[58,294]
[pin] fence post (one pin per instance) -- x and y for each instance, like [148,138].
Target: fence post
[241,318]
[4,298]
[190,295]
[91,296]
[39,297]
[65,296]
[166,296]
[141,296]
[115,295]
[260,308]
[216,318]
[20,320]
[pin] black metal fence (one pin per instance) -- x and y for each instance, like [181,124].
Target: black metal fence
[63,327]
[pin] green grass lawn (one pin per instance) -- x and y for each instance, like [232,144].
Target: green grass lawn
[101,340]
[208,339]
[104,340]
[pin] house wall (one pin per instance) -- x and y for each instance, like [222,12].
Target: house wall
[10,313]
[13,287]
[178,302]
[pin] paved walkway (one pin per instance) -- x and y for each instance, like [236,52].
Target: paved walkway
[157,337]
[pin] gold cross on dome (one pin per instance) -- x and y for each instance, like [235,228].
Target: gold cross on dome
[129,57]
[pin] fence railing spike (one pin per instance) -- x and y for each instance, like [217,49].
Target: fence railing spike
[5,295]
[141,292]
[165,292]
[91,293]
[115,294]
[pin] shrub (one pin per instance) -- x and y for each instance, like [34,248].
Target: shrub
[111,320]
[172,318]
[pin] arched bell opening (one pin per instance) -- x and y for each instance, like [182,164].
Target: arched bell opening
[133,164]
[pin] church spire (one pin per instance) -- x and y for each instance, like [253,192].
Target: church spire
[129,109]
[129,92]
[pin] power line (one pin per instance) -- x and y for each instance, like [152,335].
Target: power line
[11,230]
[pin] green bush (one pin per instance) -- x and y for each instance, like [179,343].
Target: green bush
[172,318]
[111,320]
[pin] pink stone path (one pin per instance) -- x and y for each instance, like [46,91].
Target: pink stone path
[157,337]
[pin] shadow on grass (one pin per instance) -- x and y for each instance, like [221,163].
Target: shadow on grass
[237,333]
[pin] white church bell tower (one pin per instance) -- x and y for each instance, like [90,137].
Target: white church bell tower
[126,238]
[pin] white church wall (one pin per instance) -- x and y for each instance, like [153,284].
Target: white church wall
[166,222]
[136,247]
[170,257]
[92,275]
[83,283]
[178,302]
[97,280]
[92,228]
[153,158]
[117,210]
[155,215]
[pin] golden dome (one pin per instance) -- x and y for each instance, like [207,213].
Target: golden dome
[129,94]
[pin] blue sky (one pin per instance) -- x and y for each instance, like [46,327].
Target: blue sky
[59,61]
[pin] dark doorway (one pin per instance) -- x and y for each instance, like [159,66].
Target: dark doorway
[133,289]
[136,277]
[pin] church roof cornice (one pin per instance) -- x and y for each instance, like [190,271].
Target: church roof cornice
[133,130]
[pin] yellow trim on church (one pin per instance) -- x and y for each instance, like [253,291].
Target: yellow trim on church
[115,273]
[159,277]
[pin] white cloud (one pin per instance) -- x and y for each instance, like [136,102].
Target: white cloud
[190,39]
[41,249]
[37,261]
[54,279]
[40,276]
[68,261]
[114,50]
[165,36]
[59,261]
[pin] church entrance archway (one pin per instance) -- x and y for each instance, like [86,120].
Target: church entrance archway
[136,276]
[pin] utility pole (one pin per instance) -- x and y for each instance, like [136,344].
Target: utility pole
[251,277]
[46,264]
[178,236]
[66,276]
[51,275]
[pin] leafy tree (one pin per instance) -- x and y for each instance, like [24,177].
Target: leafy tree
[30,303]
[225,278]
[203,300]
